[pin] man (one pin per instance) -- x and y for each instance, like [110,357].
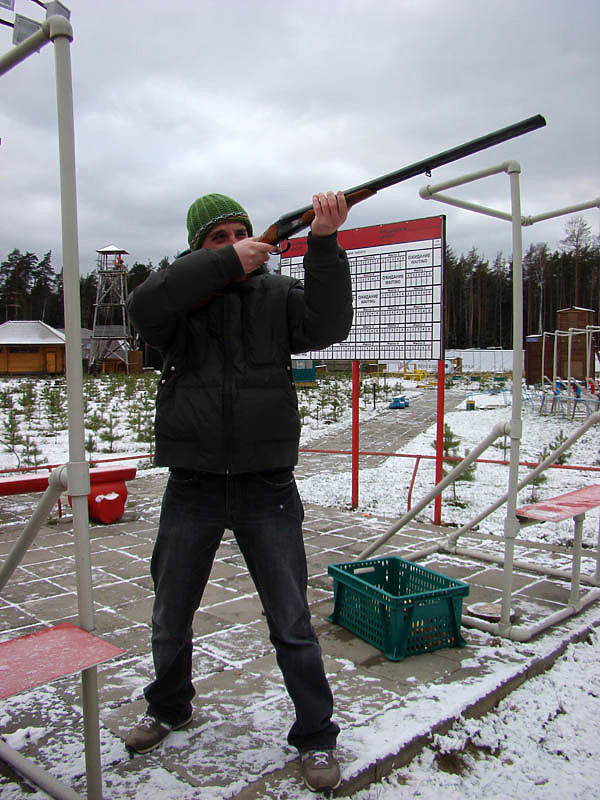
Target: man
[227,426]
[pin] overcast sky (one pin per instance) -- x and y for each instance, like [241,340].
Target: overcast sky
[269,101]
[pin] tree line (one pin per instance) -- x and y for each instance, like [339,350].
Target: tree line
[477,293]
[31,289]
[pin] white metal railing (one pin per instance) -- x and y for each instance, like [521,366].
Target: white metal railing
[511,524]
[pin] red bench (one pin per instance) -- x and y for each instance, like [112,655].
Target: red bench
[108,491]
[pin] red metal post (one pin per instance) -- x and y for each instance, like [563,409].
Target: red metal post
[355,436]
[439,450]
[412,482]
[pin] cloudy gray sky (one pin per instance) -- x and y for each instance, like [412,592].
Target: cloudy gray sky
[269,101]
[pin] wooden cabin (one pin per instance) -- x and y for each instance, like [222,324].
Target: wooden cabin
[31,348]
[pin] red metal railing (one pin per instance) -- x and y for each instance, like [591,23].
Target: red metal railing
[418,457]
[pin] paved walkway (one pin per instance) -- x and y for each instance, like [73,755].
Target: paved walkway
[388,432]
[235,747]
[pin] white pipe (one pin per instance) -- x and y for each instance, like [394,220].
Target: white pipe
[560,212]
[482,555]
[569,376]
[528,566]
[511,523]
[427,192]
[523,633]
[598,553]
[57,483]
[588,353]
[495,433]
[543,371]
[18,53]
[576,568]
[78,468]
[417,555]
[454,201]
[37,775]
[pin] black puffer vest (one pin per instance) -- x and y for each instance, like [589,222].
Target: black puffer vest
[226,400]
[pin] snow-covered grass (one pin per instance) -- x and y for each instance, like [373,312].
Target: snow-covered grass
[383,490]
[118,412]
[541,743]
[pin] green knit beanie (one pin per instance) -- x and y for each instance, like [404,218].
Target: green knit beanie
[211,210]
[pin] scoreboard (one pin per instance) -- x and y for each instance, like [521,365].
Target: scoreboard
[397,273]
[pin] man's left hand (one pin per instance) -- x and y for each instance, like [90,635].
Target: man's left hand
[330,213]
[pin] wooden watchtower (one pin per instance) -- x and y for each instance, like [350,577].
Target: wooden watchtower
[111,336]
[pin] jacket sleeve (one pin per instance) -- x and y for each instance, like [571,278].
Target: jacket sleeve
[190,281]
[320,313]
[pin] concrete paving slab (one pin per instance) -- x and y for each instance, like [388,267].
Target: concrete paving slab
[552,590]
[138,611]
[206,623]
[494,578]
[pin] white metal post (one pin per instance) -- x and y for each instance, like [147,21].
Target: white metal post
[588,348]
[576,568]
[598,553]
[543,371]
[569,378]
[61,35]
[57,29]
[511,523]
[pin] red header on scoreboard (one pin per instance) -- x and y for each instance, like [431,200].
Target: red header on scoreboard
[414,230]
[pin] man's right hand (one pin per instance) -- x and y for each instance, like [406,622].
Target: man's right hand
[252,253]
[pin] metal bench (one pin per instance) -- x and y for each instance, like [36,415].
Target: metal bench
[572,505]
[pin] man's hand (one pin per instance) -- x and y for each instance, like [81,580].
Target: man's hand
[330,213]
[252,253]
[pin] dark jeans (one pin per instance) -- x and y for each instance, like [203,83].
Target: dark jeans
[265,513]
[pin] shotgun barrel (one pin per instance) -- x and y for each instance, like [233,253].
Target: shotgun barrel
[293,222]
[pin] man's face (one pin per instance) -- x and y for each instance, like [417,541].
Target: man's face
[224,234]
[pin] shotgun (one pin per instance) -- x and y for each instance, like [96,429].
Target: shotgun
[289,224]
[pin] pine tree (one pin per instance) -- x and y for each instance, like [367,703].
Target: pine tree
[450,450]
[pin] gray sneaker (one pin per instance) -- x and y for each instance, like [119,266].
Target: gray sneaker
[149,732]
[320,770]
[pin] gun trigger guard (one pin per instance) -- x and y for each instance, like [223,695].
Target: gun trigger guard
[279,251]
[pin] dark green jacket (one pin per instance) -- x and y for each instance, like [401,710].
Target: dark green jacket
[226,400]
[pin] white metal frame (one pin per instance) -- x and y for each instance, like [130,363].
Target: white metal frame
[57,29]
[512,525]
[429,192]
[589,331]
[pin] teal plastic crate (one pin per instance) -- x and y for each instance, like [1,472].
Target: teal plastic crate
[398,606]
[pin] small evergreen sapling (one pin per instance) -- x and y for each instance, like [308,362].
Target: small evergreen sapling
[451,445]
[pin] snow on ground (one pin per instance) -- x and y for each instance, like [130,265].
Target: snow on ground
[383,489]
[542,741]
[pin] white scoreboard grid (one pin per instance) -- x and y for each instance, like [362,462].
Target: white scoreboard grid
[397,278]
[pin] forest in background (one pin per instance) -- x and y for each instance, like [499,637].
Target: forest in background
[477,293]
